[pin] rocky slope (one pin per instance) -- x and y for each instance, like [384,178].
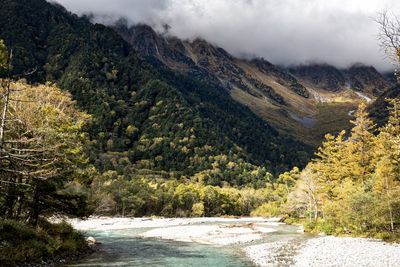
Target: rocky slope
[304,101]
[360,78]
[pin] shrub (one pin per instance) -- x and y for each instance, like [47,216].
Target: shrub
[21,243]
[269,209]
[198,209]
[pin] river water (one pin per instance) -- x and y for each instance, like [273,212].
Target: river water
[126,248]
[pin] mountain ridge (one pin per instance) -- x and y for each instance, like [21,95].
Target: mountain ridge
[295,100]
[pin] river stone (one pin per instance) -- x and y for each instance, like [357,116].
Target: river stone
[91,240]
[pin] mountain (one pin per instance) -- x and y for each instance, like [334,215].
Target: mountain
[320,75]
[202,60]
[303,101]
[360,78]
[367,79]
[145,115]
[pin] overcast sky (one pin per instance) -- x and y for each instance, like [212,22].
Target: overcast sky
[339,32]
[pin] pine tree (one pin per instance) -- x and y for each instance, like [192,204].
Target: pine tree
[330,167]
[360,146]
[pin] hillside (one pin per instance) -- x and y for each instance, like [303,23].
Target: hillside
[304,101]
[379,109]
[145,116]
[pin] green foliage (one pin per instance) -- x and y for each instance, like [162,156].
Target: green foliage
[21,243]
[379,111]
[43,162]
[113,194]
[144,116]
[270,209]
[198,209]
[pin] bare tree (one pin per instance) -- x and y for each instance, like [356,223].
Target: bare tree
[389,37]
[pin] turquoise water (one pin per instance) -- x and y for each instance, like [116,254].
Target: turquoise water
[121,248]
[126,248]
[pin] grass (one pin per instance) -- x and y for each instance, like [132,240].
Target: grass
[332,118]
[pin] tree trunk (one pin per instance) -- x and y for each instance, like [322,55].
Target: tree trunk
[389,204]
[35,208]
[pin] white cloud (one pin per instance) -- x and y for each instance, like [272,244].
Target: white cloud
[338,32]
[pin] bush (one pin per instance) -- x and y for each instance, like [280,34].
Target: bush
[270,209]
[21,243]
[198,209]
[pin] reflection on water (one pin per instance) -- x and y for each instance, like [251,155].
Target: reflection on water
[122,248]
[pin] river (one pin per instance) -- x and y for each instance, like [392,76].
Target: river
[129,247]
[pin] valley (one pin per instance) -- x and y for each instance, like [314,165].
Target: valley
[125,141]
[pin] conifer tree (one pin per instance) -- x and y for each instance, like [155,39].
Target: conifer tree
[360,146]
[387,173]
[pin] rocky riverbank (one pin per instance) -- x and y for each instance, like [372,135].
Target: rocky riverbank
[326,251]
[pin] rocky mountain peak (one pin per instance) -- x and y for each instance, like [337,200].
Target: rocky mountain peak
[142,37]
[367,79]
[321,75]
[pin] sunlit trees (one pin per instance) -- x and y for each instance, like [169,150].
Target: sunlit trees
[387,173]
[360,145]
[42,158]
[353,186]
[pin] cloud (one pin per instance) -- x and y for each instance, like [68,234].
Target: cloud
[286,32]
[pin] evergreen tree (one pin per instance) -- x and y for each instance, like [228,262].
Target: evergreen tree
[360,146]
[387,173]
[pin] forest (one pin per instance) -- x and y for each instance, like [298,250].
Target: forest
[144,116]
[42,170]
[353,184]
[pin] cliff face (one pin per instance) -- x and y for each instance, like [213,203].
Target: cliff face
[209,63]
[323,76]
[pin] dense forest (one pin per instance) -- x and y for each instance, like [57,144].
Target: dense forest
[145,117]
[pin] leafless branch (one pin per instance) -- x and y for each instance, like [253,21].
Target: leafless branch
[389,35]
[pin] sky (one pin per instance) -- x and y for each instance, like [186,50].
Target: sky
[285,32]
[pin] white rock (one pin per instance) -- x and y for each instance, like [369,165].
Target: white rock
[348,252]
[91,240]
[326,251]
